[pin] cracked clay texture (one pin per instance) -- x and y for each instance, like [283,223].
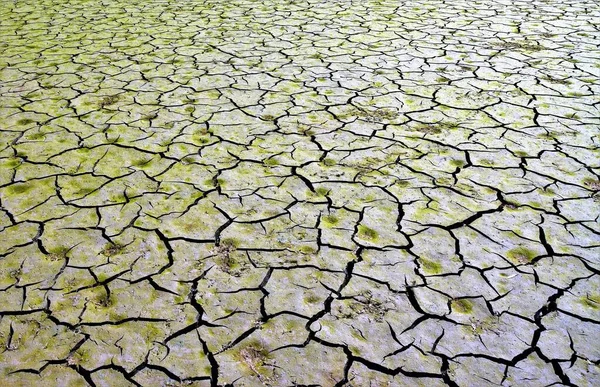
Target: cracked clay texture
[299,193]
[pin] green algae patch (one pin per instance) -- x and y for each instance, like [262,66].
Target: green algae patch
[25,121]
[272,162]
[462,306]
[430,267]
[322,191]
[101,299]
[329,220]
[112,249]
[10,163]
[457,163]
[367,233]
[57,254]
[230,243]
[524,45]
[311,298]
[308,249]
[17,189]
[592,302]
[109,100]
[140,162]
[427,129]
[521,255]
[35,136]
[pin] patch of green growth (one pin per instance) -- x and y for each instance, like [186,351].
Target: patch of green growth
[201,140]
[118,197]
[267,117]
[109,100]
[79,357]
[271,162]
[329,162]
[457,163]
[11,163]
[558,81]
[189,160]
[547,136]
[140,162]
[592,301]
[462,306]
[190,109]
[330,220]
[308,249]
[230,243]
[322,191]
[548,192]
[311,298]
[430,267]
[521,255]
[36,136]
[15,273]
[112,249]
[402,183]
[17,189]
[103,300]
[367,233]
[522,45]
[442,79]
[428,129]
[226,259]
[25,121]
[150,116]
[84,191]
[521,153]
[375,114]
[57,254]
[102,277]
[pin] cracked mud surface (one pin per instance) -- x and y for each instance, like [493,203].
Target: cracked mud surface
[317,193]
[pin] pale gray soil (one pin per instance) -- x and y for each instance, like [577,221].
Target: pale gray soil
[285,193]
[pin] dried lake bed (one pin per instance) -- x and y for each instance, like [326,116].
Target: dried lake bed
[299,193]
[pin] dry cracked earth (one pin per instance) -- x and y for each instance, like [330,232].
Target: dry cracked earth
[299,193]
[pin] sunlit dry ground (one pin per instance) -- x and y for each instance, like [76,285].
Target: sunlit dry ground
[283,193]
